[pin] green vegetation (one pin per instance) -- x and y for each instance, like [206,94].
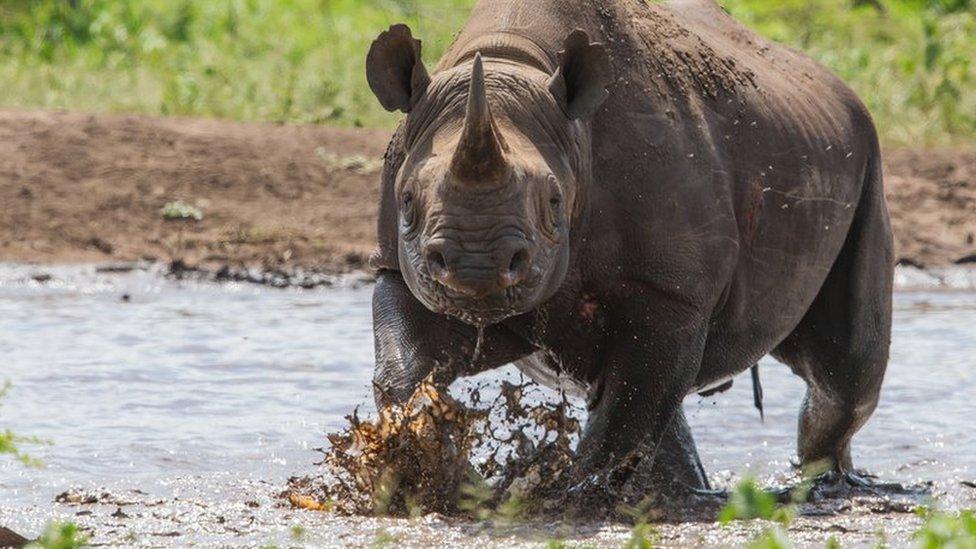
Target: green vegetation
[288,60]
[181,210]
[911,61]
[10,442]
[61,535]
[747,501]
[356,163]
[384,539]
[302,60]
[643,536]
[947,530]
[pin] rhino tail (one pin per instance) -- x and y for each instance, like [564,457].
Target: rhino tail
[757,392]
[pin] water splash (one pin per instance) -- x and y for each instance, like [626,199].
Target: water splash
[420,457]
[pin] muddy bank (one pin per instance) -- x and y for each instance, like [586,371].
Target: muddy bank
[91,188]
[78,187]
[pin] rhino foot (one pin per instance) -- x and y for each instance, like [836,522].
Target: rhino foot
[846,485]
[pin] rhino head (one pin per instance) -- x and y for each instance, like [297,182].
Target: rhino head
[497,158]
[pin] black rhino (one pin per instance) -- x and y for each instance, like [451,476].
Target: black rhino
[637,201]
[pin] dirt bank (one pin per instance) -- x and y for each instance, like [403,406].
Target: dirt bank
[78,188]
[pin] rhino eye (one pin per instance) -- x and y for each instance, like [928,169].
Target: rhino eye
[552,208]
[408,212]
[555,195]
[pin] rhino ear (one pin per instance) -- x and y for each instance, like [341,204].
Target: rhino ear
[394,70]
[581,79]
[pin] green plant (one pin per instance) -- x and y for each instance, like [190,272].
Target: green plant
[61,535]
[475,497]
[772,538]
[10,442]
[355,163]
[947,530]
[180,210]
[749,501]
[384,539]
[642,536]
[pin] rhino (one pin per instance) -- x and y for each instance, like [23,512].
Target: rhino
[631,201]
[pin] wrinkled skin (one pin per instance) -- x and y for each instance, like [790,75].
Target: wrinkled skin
[645,208]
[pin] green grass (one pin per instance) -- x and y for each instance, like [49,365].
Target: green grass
[947,530]
[10,442]
[642,536]
[747,501]
[911,61]
[287,60]
[61,535]
[302,60]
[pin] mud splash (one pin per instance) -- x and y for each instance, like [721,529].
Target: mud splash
[435,453]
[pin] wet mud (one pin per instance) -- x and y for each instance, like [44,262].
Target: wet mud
[436,454]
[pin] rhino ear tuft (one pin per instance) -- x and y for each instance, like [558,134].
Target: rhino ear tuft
[394,69]
[581,79]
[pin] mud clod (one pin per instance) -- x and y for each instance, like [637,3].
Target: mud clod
[437,454]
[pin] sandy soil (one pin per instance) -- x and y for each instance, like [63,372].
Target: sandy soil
[81,188]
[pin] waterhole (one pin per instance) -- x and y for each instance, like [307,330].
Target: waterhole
[179,409]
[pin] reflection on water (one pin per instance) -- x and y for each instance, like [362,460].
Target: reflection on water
[234,384]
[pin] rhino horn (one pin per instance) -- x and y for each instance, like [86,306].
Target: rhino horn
[480,152]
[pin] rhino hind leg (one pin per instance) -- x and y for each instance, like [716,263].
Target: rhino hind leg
[840,348]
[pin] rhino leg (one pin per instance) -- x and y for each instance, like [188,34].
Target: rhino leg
[635,418]
[411,342]
[840,348]
[676,467]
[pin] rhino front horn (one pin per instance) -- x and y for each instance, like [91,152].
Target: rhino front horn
[480,152]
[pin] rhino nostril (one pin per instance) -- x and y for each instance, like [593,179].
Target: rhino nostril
[437,265]
[517,267]
[519,261]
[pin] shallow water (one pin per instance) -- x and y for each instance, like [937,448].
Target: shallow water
[205,398]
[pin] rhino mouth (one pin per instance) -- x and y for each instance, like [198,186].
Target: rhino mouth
[477,312]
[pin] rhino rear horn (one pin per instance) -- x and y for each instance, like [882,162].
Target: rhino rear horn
[394,69]
[480,154]
[581,79]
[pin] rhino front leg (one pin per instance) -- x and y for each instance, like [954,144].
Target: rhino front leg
[635,412]
[411,342]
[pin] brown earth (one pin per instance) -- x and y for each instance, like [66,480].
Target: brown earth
[91,188]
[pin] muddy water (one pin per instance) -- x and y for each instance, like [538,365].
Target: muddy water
[183,408]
